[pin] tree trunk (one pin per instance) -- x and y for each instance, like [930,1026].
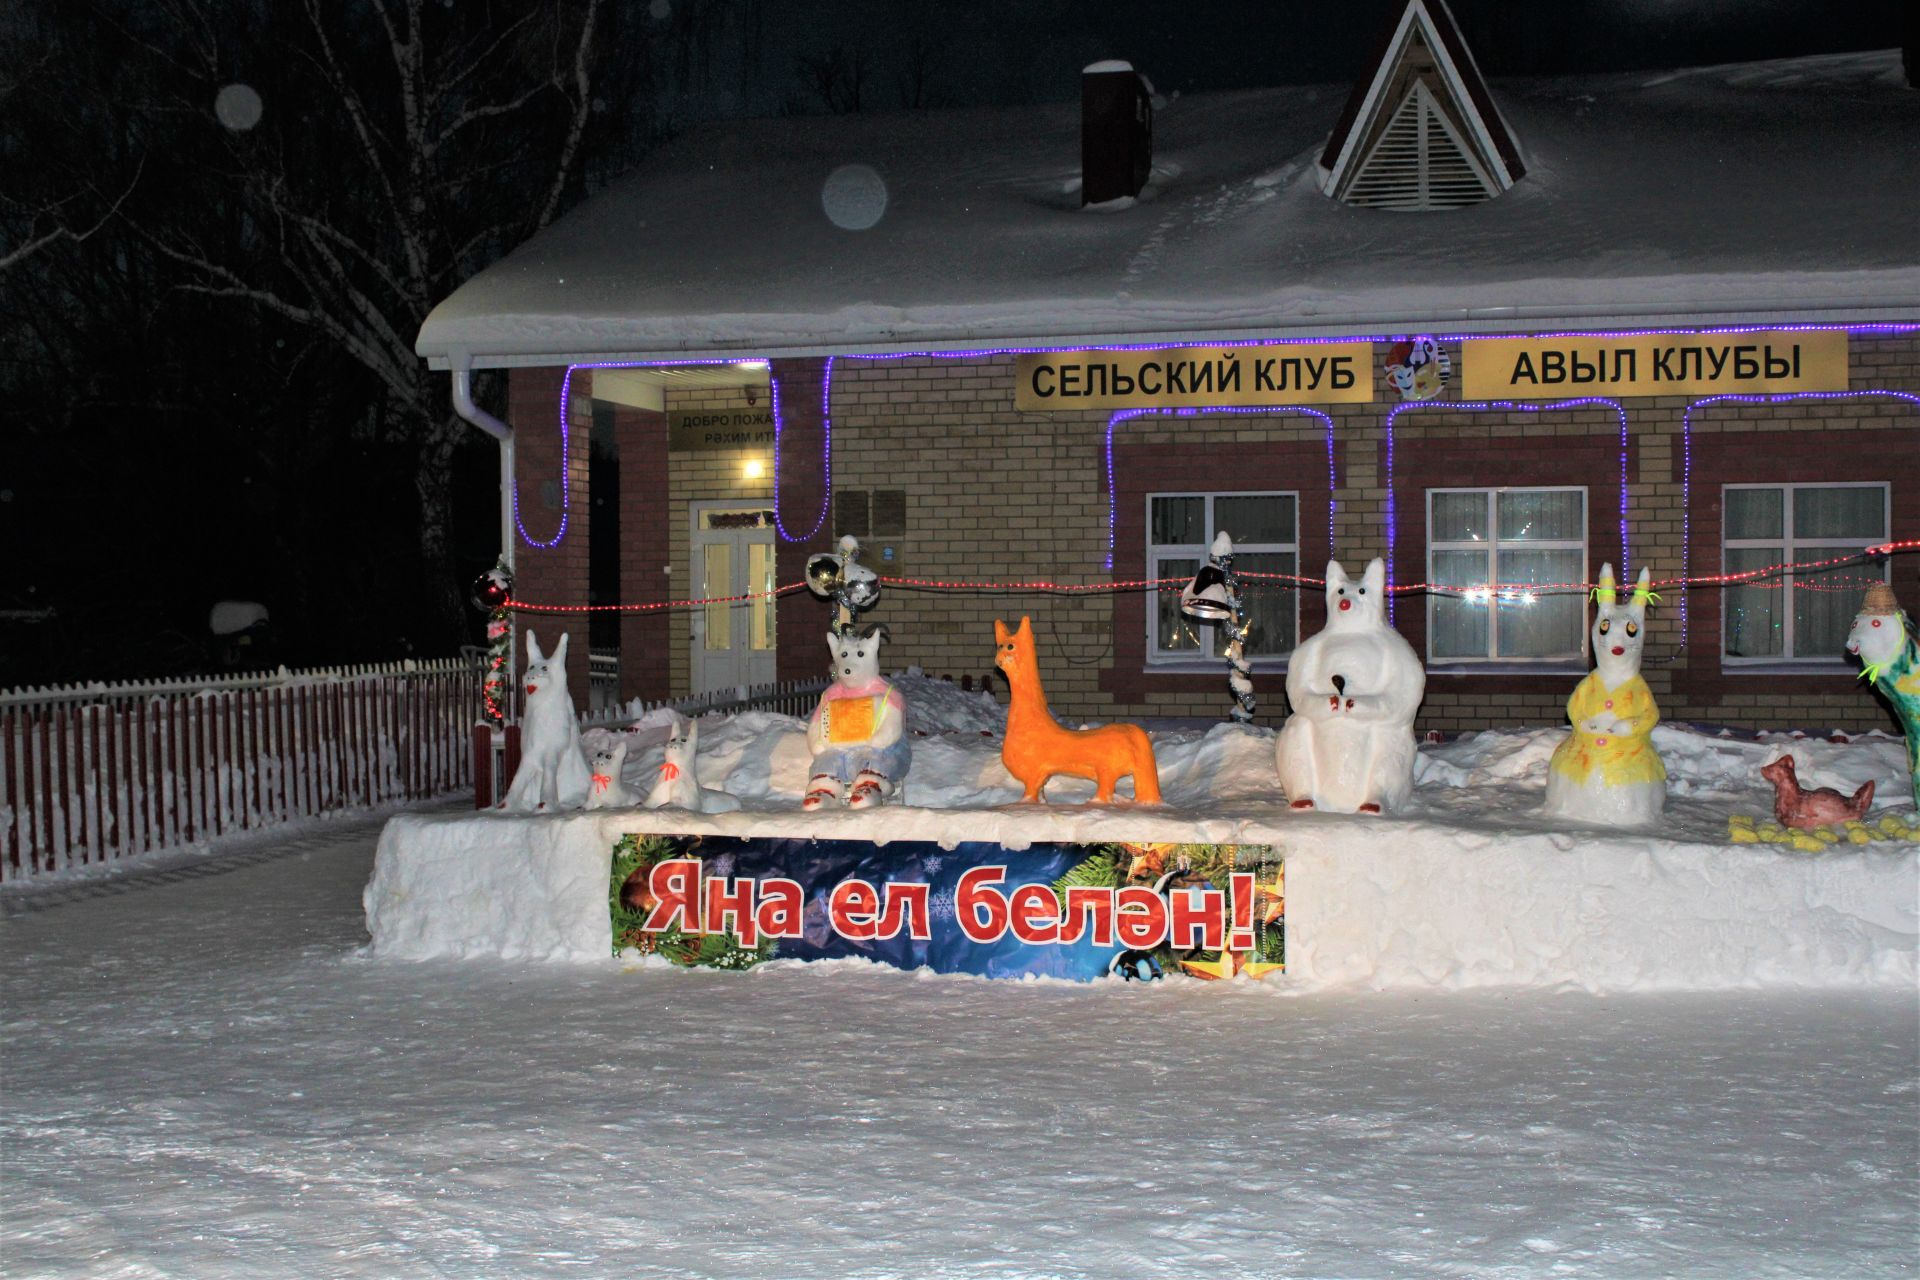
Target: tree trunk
[433,483]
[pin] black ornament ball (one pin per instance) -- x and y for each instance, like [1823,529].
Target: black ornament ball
[491,590]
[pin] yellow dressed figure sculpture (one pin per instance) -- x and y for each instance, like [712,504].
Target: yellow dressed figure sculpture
[1606,771]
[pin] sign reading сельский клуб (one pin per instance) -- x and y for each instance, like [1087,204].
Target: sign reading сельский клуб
[1654,364]
[1196,377]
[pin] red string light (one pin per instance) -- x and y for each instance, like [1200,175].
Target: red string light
[1042,586]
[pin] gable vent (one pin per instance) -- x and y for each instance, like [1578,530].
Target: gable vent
[1419,162]
[1421,131]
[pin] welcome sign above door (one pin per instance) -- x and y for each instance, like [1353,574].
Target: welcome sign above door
[1196,377]
[697,430]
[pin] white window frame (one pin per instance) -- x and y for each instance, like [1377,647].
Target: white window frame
[1156,552]
[1785,543]
[1569,658]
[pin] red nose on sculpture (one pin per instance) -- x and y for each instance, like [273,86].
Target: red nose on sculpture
[1618,650]
[1345,605]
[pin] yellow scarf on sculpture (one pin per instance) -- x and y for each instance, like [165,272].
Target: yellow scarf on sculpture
[1623,758]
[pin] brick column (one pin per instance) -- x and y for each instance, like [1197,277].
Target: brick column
[645,551]
[556,574]
[800,651]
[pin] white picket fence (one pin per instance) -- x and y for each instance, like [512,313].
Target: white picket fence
[97,772]
[788,697]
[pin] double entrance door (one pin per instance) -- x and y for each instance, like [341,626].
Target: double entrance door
[732,552]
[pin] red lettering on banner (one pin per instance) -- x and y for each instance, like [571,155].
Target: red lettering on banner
[675,886]
[782,909]
[1034,914]
[1088,905]
[1140,918]
[851,910]
[1197,913]
[908,901]
[1241,939]
[729,909]
[976,892]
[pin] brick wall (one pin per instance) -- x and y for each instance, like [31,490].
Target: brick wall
[1003,495]
[646,639]
[556,574]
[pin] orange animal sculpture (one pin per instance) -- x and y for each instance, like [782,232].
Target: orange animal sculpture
[1038,748]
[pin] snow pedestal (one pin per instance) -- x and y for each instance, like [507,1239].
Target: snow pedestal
[1371,903]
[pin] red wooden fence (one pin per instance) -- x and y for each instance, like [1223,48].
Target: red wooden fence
[94,774]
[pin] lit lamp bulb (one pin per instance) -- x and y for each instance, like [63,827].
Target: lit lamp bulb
[753,469]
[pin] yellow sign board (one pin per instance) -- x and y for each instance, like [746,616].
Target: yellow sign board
[1196,377]
[1653,364]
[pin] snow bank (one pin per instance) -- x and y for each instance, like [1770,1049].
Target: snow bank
[1468,889]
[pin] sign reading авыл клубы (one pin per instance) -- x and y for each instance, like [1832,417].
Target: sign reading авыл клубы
[1196,377]
[694,430]
[1654,364]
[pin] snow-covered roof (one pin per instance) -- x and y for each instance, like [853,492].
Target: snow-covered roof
[1761,192]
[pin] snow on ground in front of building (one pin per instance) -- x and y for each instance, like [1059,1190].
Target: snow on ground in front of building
[208,1078]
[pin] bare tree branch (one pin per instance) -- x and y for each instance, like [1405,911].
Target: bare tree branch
[582,107]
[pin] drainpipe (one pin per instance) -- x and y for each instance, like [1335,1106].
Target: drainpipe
[464,406]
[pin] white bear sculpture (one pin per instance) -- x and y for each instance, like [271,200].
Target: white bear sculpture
[678,785]
[1348,745]
[553,770]
[1606,771]
[606,788]
[858,734]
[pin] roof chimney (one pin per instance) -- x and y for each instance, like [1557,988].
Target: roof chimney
[1116,132]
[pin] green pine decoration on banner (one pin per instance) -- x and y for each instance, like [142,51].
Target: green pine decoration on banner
[633,857]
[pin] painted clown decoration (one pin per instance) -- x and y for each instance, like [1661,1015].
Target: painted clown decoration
[1883,639]
[1606,770]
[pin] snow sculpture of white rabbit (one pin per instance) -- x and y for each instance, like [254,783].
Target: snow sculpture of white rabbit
[858,734]
[678,785]
[1607,771]
[607,789]
[1348,745]
[553,770]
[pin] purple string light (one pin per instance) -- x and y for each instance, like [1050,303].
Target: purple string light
[1127,415]
[1686,462]
[1392,517]
[1500,406]
[566,440]
[826,454]
[1230,344]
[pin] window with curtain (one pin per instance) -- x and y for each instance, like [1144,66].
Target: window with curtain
[1797,615]
[1265,528]
[1503,547]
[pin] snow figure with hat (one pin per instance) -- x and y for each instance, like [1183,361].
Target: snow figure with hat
[858,734]
[1348,745]
[1883,639]
[1606,770]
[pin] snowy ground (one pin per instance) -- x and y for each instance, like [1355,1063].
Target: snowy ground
[204,1077]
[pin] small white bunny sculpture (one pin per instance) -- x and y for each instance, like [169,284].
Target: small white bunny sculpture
[1348,745]
[553,769]
[679,783]
[607,789]
[1606,770]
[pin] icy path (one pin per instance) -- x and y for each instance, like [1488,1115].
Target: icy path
[202,1079]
